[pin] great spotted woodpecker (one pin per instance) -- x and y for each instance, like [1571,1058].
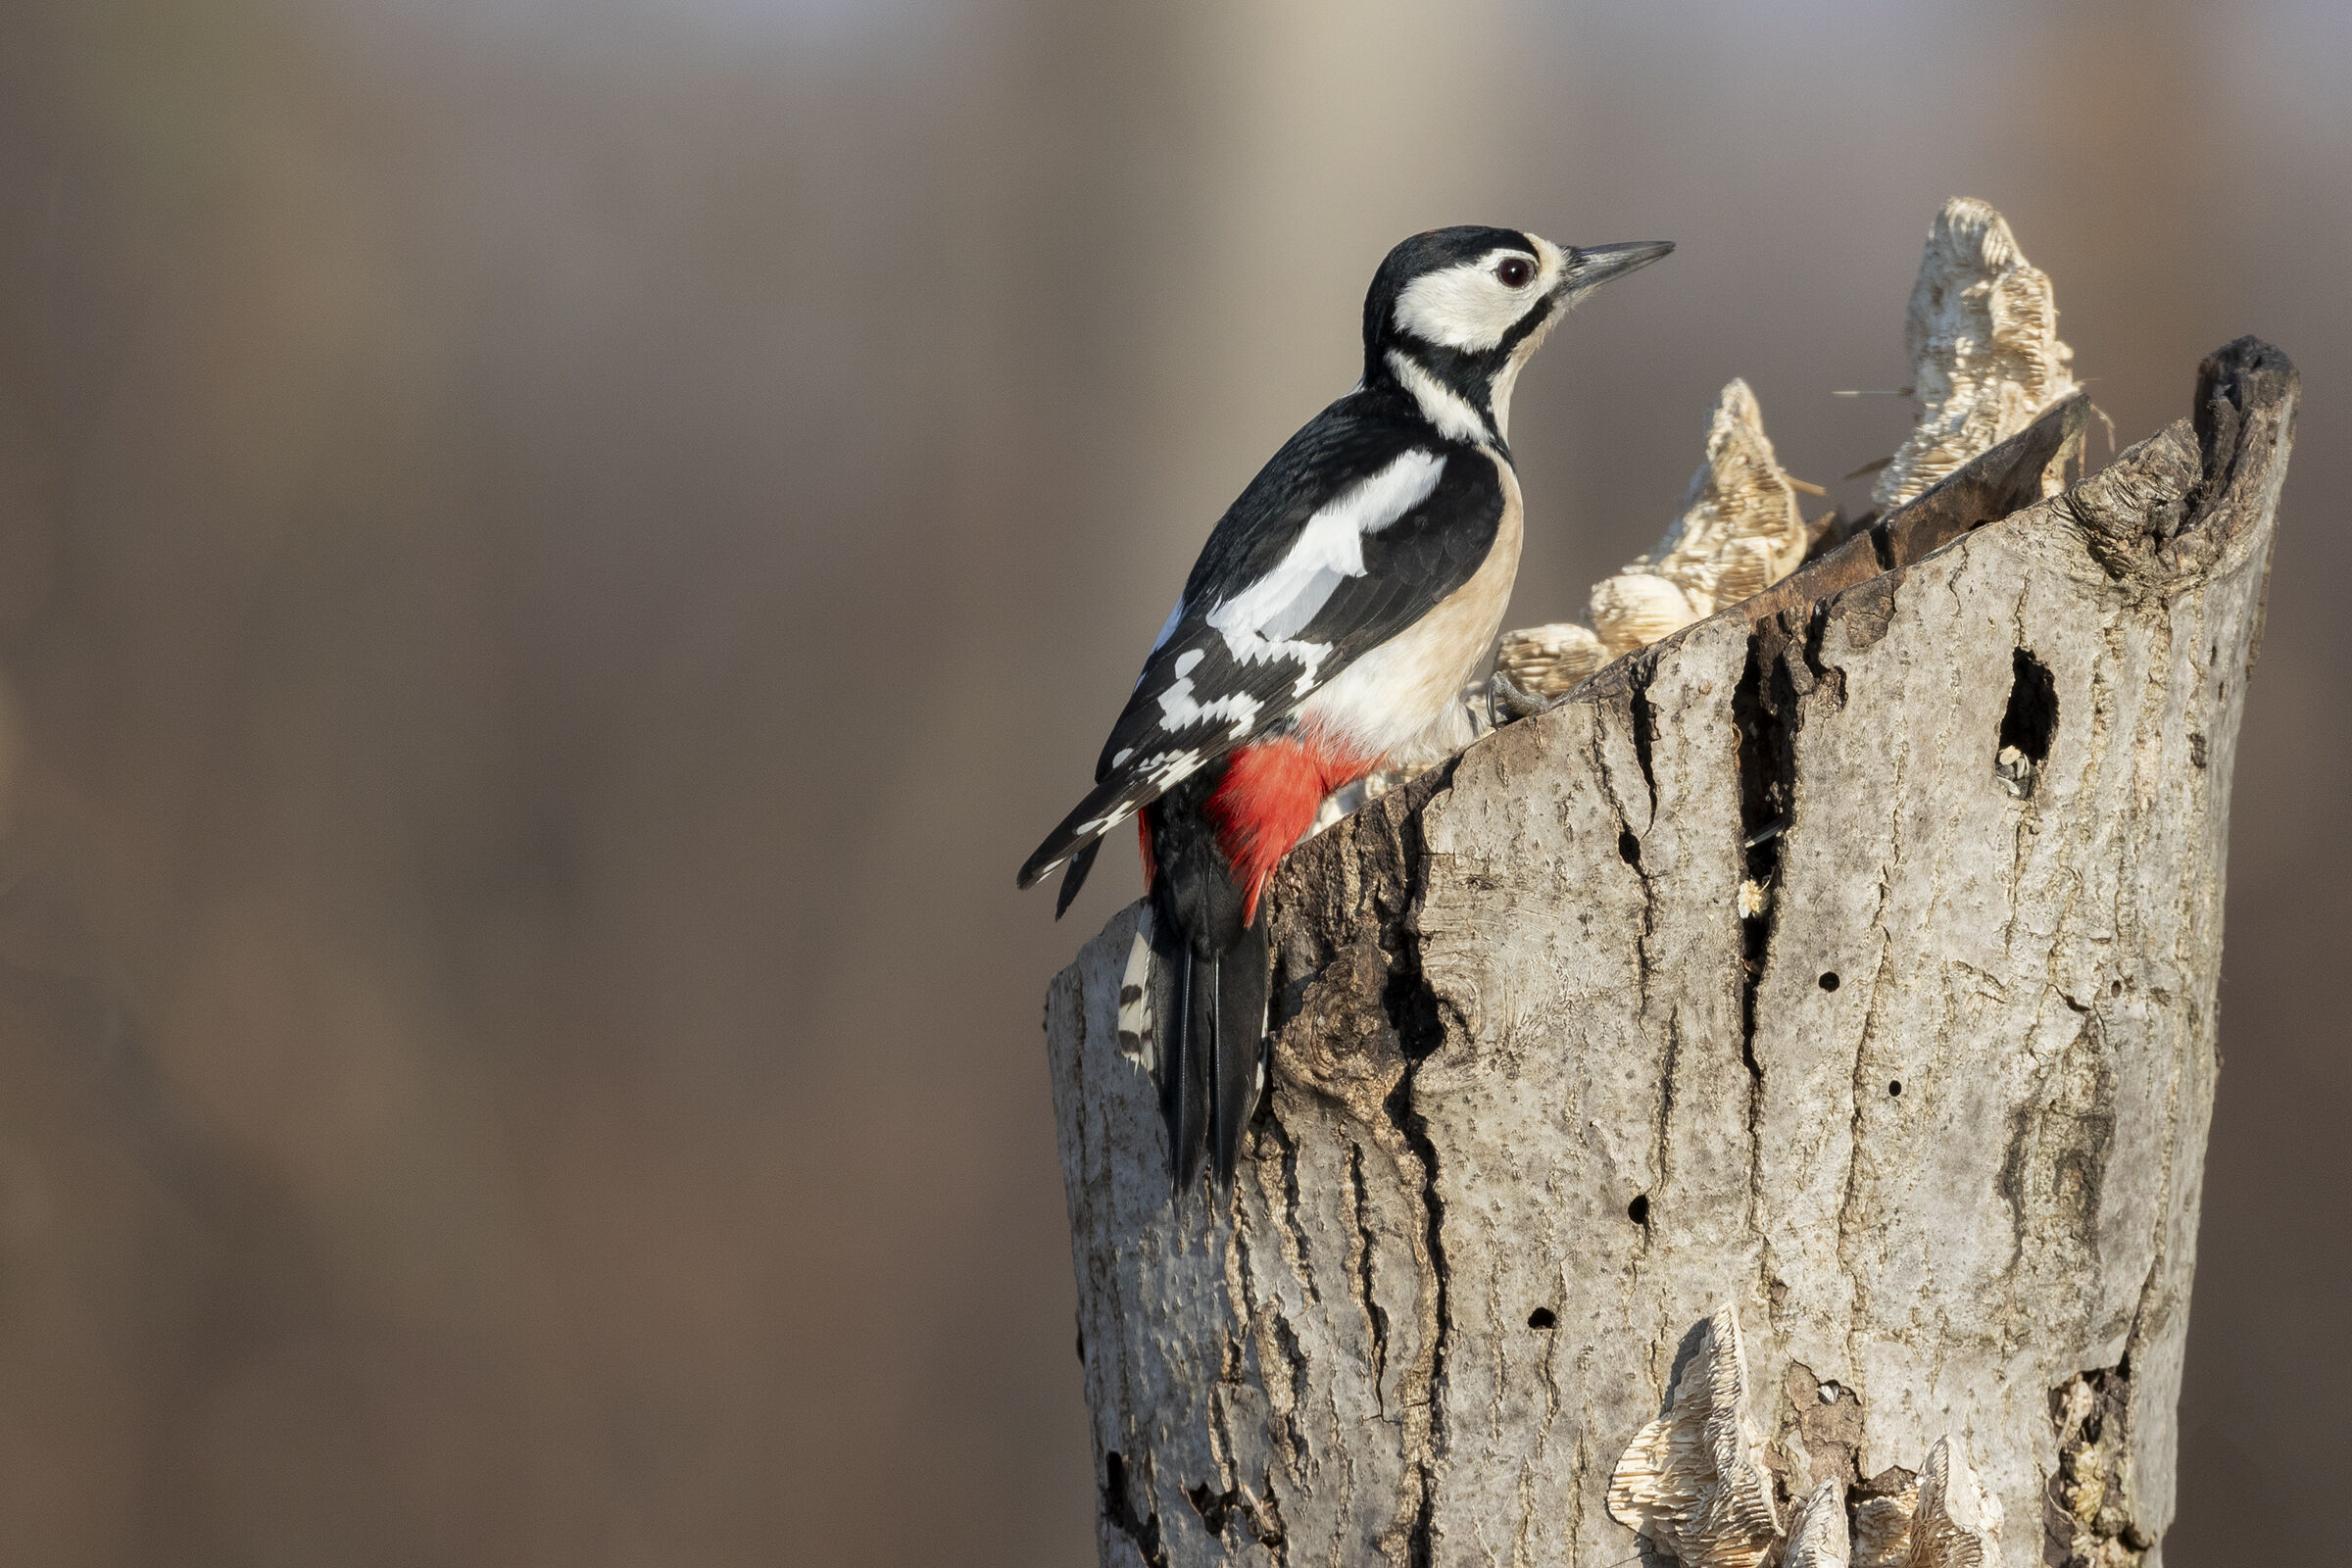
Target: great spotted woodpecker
[1332,618]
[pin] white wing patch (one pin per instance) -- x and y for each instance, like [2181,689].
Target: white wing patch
[1170,768]
[1262,622]
[1159,773]
[1179,708]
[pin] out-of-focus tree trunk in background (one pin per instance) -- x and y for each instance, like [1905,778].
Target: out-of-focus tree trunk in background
[547,545]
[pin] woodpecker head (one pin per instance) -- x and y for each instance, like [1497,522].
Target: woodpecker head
[1454,314]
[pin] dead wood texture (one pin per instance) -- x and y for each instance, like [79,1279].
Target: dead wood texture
[1543,1098]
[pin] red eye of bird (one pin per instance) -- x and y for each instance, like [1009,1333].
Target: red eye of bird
[1514,271]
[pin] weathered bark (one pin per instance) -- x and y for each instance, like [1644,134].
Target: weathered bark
[1543,1098]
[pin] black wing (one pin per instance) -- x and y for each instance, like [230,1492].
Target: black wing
[1360,524]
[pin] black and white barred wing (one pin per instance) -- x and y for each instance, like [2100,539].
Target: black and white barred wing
[1281,603]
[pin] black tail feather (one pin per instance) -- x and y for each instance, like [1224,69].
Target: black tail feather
[1211,1020]
[1172,985]
[1200,1064]
[1212,1043]
[1241,1046]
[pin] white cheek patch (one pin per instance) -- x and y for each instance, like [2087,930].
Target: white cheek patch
[1467,307]
[1263,620]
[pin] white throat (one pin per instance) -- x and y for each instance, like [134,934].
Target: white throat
[1498,398]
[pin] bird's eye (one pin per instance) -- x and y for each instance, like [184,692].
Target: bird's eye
[1513,272]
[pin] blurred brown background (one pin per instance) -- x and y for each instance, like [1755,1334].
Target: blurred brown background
[555,553]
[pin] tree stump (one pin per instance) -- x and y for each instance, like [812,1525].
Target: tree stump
[1846,965]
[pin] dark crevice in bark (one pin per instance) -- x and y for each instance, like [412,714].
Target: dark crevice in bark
[1638,1210]
[1783,667]
[1409,1000]
[1828,676]
[1294,1360]
[1375,1315]
[1265,1522]
[2086,1519]
[1229,1376]
[1882,546]
[1646,729]
[1642,719]
[1143,1533]
[1321,916]
[1763,708]
[2088,1516]
[1420,1544]
[1213,1507]
[1271,1122]
[1422,1027]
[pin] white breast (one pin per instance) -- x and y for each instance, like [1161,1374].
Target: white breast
[1393,700]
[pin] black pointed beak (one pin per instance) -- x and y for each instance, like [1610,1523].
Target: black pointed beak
[1590,267]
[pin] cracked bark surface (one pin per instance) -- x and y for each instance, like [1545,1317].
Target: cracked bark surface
[1542,1098]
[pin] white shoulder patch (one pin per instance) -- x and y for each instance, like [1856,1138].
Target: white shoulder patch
[1262,622]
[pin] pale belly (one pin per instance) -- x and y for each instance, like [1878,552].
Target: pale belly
[1398,701]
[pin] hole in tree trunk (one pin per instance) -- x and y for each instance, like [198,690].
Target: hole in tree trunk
[2028,724]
